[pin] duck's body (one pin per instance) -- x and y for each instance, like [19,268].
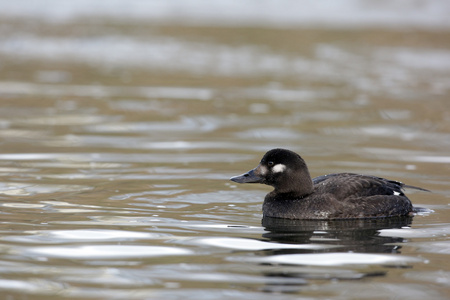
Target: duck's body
[341,196]
[334,196]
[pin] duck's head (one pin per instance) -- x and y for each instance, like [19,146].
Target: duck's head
[283,169]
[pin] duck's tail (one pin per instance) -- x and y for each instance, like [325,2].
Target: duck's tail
[414,187]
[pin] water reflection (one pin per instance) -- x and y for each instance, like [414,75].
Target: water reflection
[360,235]
[345,244]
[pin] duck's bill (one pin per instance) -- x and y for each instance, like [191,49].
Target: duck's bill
[251,176]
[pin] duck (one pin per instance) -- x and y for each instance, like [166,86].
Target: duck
[334,196]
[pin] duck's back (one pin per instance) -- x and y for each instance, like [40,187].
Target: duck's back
[343,196]
[345,185]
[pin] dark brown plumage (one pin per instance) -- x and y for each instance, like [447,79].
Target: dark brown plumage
[333,196]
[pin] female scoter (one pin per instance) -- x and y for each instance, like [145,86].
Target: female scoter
[333,196]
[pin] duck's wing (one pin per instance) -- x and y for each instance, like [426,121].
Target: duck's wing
[348,184]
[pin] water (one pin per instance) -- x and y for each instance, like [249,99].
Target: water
[121,123]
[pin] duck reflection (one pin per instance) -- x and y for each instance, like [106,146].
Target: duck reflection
[358,235]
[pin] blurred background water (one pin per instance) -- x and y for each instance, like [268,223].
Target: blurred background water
[122,121]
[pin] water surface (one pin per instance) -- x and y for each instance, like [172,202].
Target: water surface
[121,123]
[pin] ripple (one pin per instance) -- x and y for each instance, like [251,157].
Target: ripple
[407,155]
[20,189]
[62,119]
[19,285]
[224,228]
[407,232]
[139,196]
[124,221]
[183,125]
[81,235]
[269,134]
[252,245]
[105,251]
[279,14]
[335,259]
[431,159]
[25,88]
[221,197]
[442,247]
[440,277]
[127,157]
[22,205]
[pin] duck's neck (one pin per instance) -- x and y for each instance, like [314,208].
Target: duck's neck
[298,185]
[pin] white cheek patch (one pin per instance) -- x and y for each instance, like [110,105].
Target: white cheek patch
[396,193]
[263,170]
[278,168]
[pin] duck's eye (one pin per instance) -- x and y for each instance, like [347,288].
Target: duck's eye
[270,163]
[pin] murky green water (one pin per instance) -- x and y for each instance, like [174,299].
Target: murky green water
[120,125]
